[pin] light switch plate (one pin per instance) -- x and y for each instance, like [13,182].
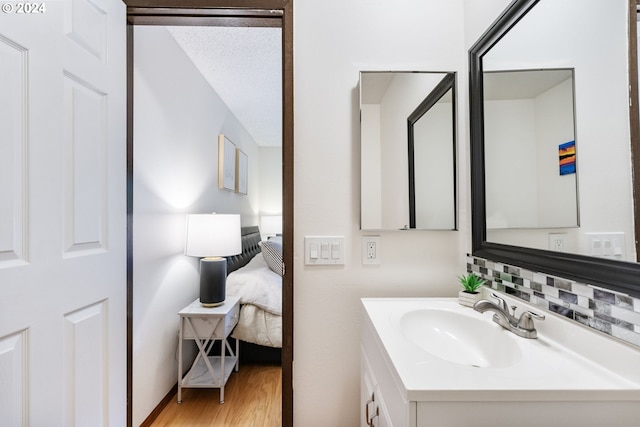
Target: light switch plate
[606,245]
[324,250]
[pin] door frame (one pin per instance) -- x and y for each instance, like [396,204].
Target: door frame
[238,13]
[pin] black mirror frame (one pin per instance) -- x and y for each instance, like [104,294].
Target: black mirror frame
[446,84]
[614,275]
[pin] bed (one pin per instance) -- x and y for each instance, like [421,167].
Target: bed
[255,276]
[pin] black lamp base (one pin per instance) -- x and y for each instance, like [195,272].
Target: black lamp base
[213,278]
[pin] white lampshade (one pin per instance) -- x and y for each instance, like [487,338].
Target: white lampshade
[213,235]
[271,225]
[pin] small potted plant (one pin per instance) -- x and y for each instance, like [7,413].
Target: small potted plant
[470,293]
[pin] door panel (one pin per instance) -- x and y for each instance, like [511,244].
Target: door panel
[62,215]
[13,368]
[84,167]
[13,89]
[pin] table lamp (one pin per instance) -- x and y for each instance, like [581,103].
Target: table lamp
[271,225]
[211,237]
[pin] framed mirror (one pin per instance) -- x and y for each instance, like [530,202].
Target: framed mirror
[408,149]
[593,238]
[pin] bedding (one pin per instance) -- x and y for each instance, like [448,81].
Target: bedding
[260,291]
[272,253]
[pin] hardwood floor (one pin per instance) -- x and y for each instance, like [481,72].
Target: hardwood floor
[252,398]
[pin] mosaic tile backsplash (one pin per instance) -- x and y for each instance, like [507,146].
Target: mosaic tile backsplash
[613,313]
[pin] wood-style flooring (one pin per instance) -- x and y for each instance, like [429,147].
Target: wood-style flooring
[252,398]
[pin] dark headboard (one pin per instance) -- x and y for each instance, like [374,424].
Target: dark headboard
[250,248]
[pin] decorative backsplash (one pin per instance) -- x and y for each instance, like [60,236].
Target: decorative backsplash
[610,312]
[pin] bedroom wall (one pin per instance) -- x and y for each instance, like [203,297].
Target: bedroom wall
[177,121]
[270,173]
[427,35]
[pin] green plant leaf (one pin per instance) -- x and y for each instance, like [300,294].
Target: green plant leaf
[470,282]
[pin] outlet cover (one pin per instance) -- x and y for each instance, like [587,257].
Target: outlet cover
[558,242]
[371,249]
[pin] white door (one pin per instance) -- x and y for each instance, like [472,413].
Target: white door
[62,213]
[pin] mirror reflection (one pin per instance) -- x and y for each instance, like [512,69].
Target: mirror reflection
[432,202]
[407,124]
[529,137]
[593,44]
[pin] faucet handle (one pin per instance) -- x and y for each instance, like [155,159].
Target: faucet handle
[526,320]
[501,302]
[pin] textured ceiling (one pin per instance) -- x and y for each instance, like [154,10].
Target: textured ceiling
[244,66]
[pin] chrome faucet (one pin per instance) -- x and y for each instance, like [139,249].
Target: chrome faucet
[522,326]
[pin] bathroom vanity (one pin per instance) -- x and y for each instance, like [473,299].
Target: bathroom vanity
[433,362]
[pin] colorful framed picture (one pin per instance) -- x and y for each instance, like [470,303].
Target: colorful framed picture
[226,163]
[567,158]
[242,171]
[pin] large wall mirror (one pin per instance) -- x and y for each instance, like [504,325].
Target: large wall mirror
[552,175]
[407,145]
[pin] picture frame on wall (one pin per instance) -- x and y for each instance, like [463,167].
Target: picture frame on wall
[242,170]
[226,163]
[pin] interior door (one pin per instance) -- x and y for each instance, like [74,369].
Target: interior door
[62,213]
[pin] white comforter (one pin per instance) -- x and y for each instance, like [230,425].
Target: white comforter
[257,284]
[260,293]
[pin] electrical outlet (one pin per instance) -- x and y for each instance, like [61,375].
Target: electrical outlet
[557,242]
[371,249]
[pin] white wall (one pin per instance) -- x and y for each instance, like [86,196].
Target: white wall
[371,173]
[434,184]
[425,35]
[402,97]
[177,121]
[511,189]
[555,119]
[270,173]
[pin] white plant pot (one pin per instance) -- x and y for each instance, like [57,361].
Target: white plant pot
[467,299]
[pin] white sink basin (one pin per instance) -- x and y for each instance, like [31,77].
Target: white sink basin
[459,338]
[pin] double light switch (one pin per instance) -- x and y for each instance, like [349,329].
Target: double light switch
[324,250]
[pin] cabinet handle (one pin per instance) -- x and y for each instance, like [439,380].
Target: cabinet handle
[367,417]
[371,424]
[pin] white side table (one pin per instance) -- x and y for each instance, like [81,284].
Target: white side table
[205,326]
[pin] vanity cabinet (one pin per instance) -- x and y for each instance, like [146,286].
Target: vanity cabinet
[382,403]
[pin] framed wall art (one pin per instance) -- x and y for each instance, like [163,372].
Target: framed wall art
[226,163]
[567,158]
[242,171]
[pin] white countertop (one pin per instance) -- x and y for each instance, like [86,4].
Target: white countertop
[567,361]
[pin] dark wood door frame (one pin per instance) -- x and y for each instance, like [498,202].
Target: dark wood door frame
[254,13]
[634,121]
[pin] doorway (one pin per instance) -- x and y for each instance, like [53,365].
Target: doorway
[225,13]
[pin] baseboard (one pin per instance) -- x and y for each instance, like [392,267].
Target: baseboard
[158,409]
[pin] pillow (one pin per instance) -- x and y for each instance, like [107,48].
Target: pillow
[272,253]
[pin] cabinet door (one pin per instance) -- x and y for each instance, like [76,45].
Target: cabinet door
[373,410]
[382,415]
[367,391]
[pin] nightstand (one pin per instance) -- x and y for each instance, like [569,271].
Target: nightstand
[205,326]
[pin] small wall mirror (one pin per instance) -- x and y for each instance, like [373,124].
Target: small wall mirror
[407,145]
[530,137]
